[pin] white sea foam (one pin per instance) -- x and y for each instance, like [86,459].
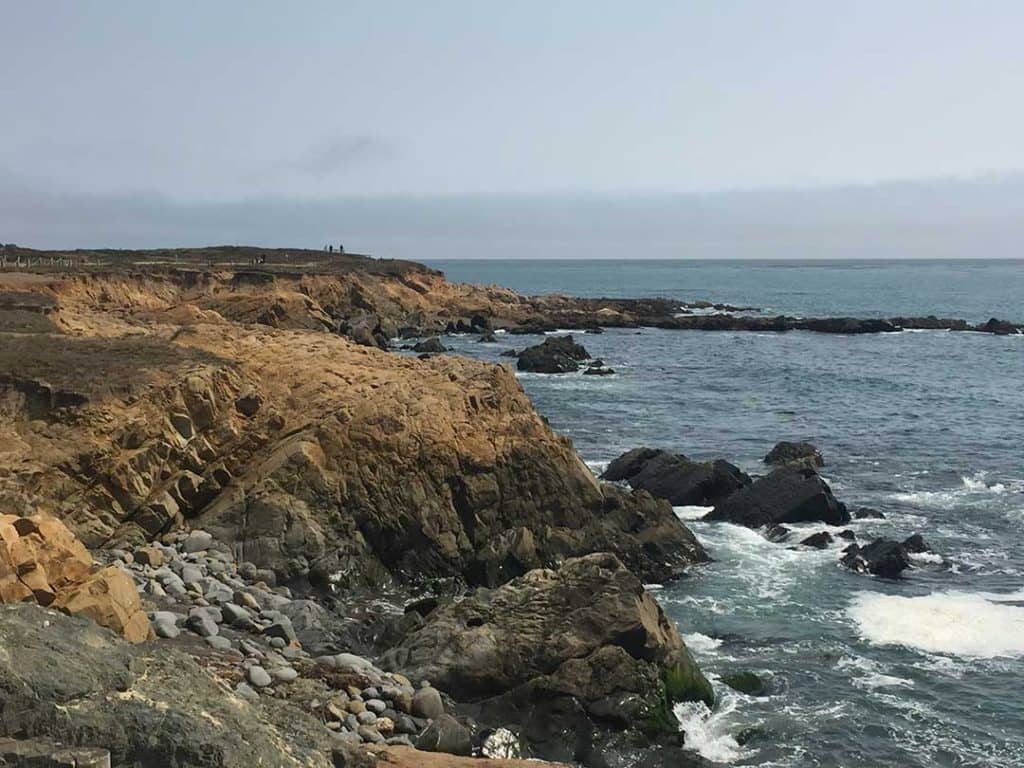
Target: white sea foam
[597,467]
[926,557]
[970,624]
[708,733]
[870,674]
[691,512]
[700,643]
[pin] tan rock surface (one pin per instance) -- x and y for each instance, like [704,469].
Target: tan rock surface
[42,561]
[170,400]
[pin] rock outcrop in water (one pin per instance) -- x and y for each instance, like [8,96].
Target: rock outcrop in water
[884,557]
[676,478]
[790,494]
[786,452]
[556,354]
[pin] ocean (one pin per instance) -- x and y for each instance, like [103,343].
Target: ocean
[927,427]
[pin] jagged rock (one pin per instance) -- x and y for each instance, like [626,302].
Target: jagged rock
[867,513]
[819,540]
[790,494]
[556,354]
[676,478]
[794,453]
[882,557]
[588,631]
[147,704]
[43,753]
[41,560]
[432,346]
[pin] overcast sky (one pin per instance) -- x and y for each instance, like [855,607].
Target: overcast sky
[198,113]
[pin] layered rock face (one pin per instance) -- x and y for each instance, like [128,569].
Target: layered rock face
[42,561]
[311,455]
[587,633]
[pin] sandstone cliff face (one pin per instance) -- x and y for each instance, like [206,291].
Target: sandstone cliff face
[183,405]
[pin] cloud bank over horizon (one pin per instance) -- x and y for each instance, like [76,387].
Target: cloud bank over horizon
[932,219]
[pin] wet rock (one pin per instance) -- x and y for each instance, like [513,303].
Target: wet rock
[847,534]
[777,533]
[916,544]
[790,494]
[432,346]
[556,354]
[882,557]
[747,682]
[794,453]
[867,513]
[676,478]
[819,540]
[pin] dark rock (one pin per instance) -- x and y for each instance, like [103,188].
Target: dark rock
[777,533]
[915,544]
[999,327]
[249,404]
[509,353]
[676,478]
[794,453]
[790,494]
[867,513]
[146,704]
[882,557]
[557,354]
[598,371]
[487,338]
[432,345]
[748,683]
[423,606]
[447,735]
[848,535]
[587,634]
[819,540]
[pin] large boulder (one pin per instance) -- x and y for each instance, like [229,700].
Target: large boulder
[587,633]
[674,477]
[67,679]
[790,494]
[786,452]
[556,354]
[42,561]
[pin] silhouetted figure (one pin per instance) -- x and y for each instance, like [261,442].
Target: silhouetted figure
[341,248]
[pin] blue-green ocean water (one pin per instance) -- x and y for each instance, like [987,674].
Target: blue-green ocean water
[927,427]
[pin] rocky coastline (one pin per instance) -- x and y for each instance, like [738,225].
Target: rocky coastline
[304,549]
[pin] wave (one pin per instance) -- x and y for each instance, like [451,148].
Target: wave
[971,487]
[872,674]
[706,732]
[700,643]
[691,512]
[967,624]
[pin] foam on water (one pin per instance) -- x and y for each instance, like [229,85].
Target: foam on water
[700,643]
[709,733]
[969,624]
[691,512]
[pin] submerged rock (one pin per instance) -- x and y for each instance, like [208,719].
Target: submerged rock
[819,540]
[790,494]
[747,682]
[556,354]
[676,478]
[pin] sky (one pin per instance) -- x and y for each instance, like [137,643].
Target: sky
[459,127]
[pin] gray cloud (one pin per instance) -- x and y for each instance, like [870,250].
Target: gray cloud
[343,153]
[929,219]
